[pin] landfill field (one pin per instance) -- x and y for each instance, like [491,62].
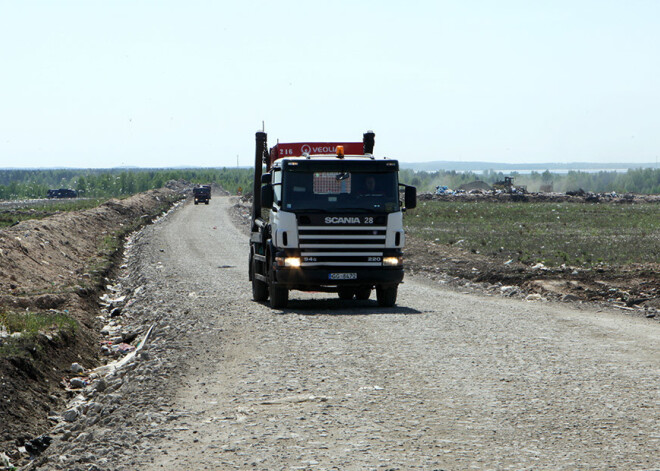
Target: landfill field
[482,364]
[561,248]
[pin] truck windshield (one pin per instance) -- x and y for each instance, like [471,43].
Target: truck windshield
[340,191]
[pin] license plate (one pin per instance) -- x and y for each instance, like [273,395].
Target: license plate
[343,276]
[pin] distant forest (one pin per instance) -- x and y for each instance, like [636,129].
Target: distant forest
[21,184]
[98,183]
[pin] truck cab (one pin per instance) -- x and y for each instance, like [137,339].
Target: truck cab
[202,194]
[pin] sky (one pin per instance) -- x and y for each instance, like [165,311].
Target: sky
[99,84]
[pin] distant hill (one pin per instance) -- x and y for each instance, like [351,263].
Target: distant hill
[480,166]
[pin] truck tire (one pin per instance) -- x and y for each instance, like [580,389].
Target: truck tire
[279,297]
[345,293]
[386,296]
[363,293]
[206,202]
[259,288]
[195,201]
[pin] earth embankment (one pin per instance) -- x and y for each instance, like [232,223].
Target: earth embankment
[55,268]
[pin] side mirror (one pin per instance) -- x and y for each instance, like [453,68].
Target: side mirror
[266,178]
[410,197]
[267,196]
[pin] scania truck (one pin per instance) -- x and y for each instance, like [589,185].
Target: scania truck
[326,216]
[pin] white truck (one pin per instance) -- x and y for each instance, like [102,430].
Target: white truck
[333,222]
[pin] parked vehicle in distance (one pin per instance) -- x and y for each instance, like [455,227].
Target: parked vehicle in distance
[62,193]
[202,194]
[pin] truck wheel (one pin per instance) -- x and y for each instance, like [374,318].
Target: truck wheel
[279,297]
[195,201]
[386,296]
[259,288]
[206,202]
[345,293]
[363,293]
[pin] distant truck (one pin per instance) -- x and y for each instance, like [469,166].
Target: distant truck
[202,194]
[62,193]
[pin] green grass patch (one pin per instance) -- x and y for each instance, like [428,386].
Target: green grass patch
[30,323]
[575,234]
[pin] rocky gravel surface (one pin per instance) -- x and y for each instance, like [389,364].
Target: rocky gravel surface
[445,380]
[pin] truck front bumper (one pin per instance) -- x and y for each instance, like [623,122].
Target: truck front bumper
[333,278]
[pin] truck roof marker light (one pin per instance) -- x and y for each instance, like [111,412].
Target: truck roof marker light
[340,152]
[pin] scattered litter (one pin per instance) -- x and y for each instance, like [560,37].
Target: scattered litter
[125,348]
[111,367]
[109,300]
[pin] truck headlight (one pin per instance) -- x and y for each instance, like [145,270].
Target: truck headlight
[292,262]
[288,261]
[392,261]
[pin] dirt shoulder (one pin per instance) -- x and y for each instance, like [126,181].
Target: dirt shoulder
[58,266]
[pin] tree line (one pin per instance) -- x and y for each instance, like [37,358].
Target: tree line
[99,183]
[113,183]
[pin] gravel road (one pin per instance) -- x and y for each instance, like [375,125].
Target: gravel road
[445,380]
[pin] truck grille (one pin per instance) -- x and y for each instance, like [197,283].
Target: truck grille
[342,246]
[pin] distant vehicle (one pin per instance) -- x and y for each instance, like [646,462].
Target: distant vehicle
[202,194]
[507,186]
[504,185]
[62,193]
